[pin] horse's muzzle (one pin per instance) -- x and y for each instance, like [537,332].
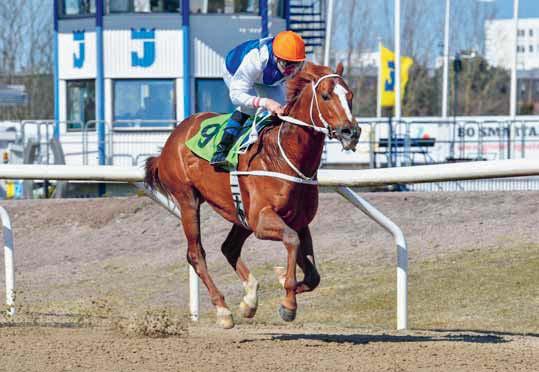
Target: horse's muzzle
[348,136]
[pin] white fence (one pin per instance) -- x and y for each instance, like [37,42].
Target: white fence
[341,179]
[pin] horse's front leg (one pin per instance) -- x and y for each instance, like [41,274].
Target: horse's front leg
[306,262]
[271,227]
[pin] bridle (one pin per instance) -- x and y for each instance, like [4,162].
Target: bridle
[314,101]
[326,130]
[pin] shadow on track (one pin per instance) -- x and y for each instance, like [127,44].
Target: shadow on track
[356,339]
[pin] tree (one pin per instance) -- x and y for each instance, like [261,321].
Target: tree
[422,93]
[483,89]
[26,56]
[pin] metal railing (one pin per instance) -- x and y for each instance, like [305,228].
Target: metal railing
[130,142]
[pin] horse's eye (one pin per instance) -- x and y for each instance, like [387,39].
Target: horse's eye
[325,96]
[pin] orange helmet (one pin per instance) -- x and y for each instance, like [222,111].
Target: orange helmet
[289,46]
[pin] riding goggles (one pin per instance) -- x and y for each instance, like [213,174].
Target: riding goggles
[289,67]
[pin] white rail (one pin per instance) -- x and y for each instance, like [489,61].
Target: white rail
[351,178]
[342,179]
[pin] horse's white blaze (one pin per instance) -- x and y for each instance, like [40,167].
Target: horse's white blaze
[341,91]
[251,296]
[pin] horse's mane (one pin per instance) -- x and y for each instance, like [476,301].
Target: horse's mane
[310,72]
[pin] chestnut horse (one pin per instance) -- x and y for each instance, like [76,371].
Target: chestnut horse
[280,200]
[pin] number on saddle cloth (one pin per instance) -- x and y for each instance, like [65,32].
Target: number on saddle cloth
[204,143]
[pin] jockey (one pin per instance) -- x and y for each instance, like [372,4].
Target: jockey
[255,73]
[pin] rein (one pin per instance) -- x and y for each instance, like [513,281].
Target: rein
[289,119]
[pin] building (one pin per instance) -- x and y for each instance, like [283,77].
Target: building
[499,42]
[129,70]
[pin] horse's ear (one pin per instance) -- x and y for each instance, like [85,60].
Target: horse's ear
[340,69]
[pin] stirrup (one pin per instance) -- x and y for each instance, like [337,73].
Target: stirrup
[218,158]
[221,167]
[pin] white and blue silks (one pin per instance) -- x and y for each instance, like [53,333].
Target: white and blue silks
[251,74]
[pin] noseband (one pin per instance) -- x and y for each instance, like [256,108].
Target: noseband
[314,100]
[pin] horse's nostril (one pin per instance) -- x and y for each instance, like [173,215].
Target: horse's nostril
[346,131]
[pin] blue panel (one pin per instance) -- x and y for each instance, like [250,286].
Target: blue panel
[56,73]
[286,13]
[186,59]
[264,18]
[100,84]
[212,96]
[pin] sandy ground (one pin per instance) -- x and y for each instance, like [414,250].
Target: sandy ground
[132,251]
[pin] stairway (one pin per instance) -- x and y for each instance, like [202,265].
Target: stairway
[307,18]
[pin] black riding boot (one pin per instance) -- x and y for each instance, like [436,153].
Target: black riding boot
[231,132]
[219,157]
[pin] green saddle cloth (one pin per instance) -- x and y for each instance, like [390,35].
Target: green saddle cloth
[205,142]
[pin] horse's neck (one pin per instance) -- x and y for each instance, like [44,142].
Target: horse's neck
[303,146]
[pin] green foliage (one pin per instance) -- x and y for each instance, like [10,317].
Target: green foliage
[482,89]
[423,93]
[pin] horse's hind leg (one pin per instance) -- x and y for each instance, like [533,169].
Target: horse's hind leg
[270,226]
[306,262]
[231,248]
[189,203]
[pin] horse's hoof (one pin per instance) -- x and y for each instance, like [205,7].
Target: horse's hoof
[225,321]
[246,311]
[224,318]
[286,314]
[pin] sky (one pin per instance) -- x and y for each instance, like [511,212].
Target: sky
[527,8]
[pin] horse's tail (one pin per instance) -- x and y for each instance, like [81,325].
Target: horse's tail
[151,178]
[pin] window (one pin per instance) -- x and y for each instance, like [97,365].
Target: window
[80,104]
[143,6]
[73,8]
[536,90]
[531,48]
[276,8]
[224,6]
[521,33]
[530,32]
[144,103]
[212,96]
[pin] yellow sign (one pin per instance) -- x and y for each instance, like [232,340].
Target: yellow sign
[387,71]
[10,189]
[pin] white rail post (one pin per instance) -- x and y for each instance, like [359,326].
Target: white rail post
[329,26]
[9,263]
[194,284]
[402,251]
[194,290]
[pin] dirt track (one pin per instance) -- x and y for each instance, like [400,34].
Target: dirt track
[72,254]
[265,349]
